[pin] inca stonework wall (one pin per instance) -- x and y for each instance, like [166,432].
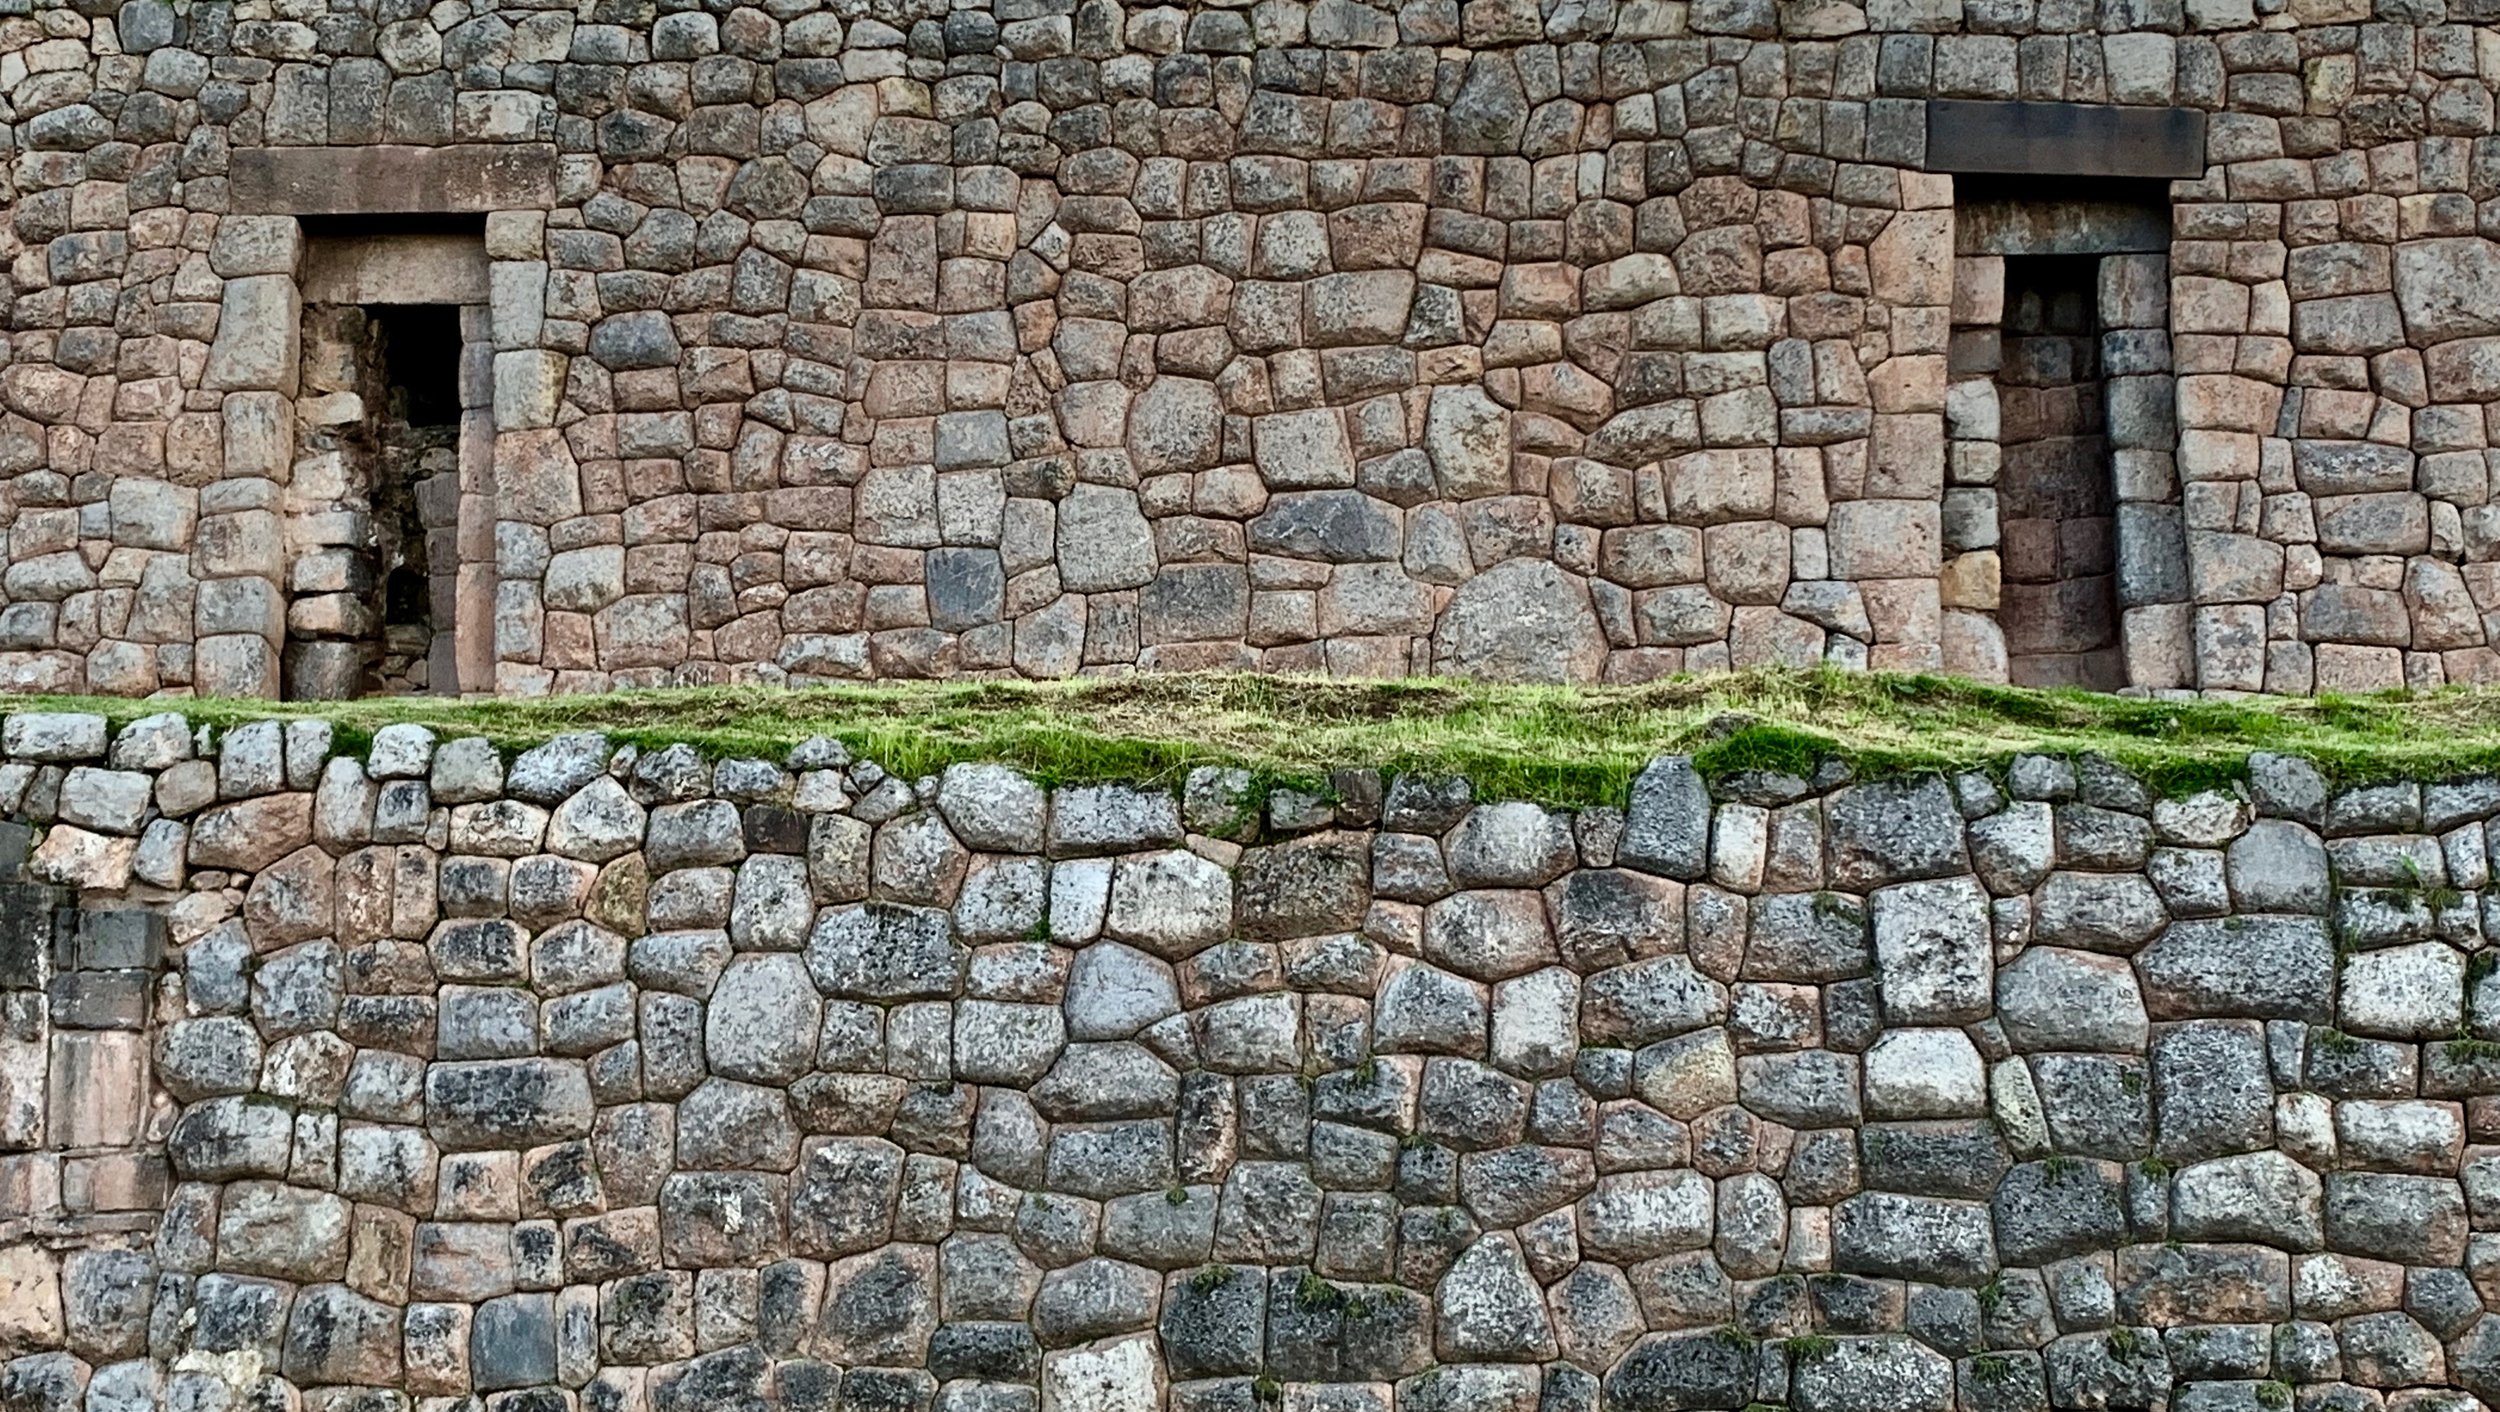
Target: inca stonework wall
[619,1082]
[1588,340]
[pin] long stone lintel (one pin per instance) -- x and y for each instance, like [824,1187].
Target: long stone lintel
[2065,139]
[393,180]
[2057,226]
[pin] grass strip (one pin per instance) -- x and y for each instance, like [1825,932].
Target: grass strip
[1559,745]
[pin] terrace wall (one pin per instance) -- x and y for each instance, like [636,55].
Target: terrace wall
[427,1078]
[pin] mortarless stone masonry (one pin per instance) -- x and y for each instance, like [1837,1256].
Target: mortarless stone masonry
[632,1082]
[1590,340]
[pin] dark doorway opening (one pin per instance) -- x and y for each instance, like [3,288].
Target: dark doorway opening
[2057,497]
[371,604]
[395,319]
[415,426]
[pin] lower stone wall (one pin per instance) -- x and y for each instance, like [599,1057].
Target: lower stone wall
[604,1080]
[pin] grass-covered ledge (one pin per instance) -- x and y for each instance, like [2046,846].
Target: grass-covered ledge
[1554,744]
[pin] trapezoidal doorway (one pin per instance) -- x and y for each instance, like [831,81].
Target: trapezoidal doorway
[385,429]
[2057,502]
[2061,410]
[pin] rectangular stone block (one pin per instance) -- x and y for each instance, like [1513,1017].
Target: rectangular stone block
[2230,647]
[2152,555]
[2065,139]
[115,1181]
[2156,641]
[247,543]
[100,1000]
[386,179]
[259,337]
[429,268]
[25,1070]
[1882,539]
[25,929]
[98,1089]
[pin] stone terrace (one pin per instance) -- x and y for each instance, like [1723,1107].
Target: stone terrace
[429,1079]
[1591,340]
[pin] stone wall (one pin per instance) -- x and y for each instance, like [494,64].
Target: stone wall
[904,338]
[621,1081]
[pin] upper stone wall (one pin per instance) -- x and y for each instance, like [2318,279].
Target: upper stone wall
[1580,341]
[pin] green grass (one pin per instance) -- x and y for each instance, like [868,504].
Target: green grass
[1557,745]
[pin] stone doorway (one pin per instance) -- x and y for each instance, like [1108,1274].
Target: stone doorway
[2056,501]
[2061,409]
[393,423]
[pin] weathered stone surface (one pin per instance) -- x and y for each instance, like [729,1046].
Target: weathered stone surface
[1667,827]
[1910,1237]
[1865,1374]
[2259,967]
[760,1022]
[1671,1371]
[2212,1090]
[1894,832]
[2259,1196]
[506,1103]
[1524,620]
[2055,998]
[883,953]
[1932,951]
[990,807]
[1173,903]
[2405,992]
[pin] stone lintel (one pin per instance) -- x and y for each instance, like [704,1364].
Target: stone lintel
[395,269]
[393,180]
[2065,139]
[2082,226]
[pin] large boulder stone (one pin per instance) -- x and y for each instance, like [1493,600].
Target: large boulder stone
[1523,620]
[1894,831]
[2405,992]
[1304,887]
[1490,935]
[760,1024]
[2448,288]
[283,1232]
[1173,903]
[1933,950]
[1489,1308]
[1675,1372]
[2213,1091]
[1114,991]
[1872,1375]
[2256,967]
[1119,1375]
[335,1335]
[843,1198]
[506,1103]
[2052,1210]
[1649,1001]
[992,808]
[1667,825]
[2056,998]
[2264,1197]
[1925,1073]
[884,953]
[1914,1237]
